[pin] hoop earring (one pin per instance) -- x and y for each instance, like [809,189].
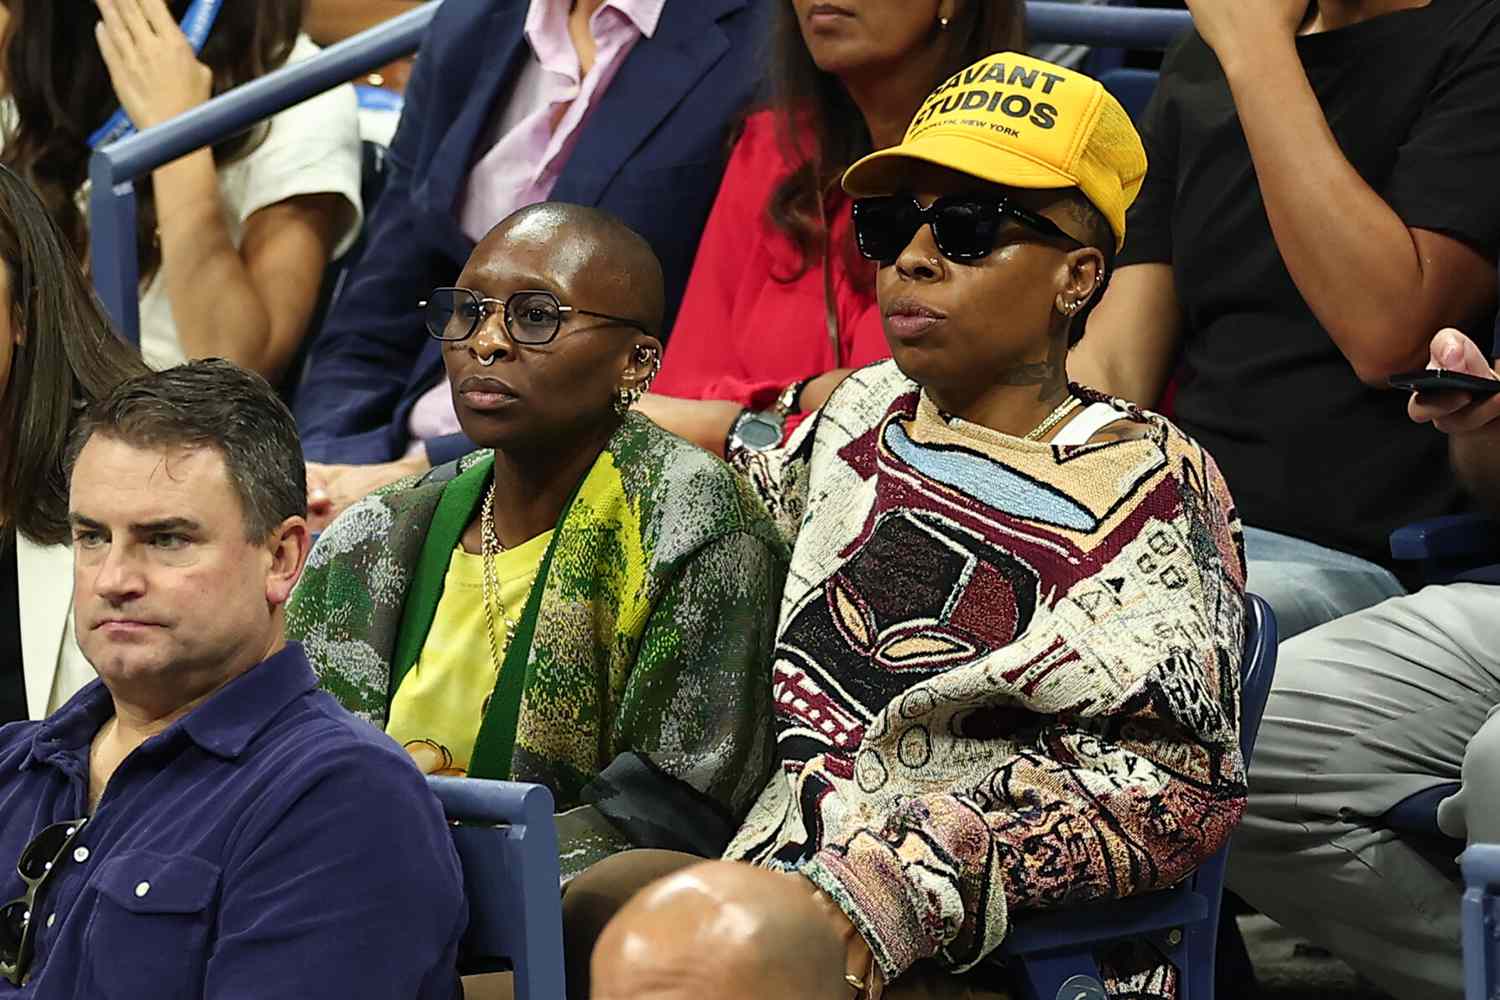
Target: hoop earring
[625,398]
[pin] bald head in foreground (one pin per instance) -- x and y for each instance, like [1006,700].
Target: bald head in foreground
[764,942]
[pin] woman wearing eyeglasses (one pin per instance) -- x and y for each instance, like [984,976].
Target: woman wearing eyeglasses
[1006,674]
[589,602]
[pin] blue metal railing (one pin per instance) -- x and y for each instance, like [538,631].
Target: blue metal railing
[1108,27]
[115,168]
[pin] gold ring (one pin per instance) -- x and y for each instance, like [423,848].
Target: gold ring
[854,981]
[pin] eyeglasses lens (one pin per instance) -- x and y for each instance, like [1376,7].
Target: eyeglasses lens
[884,226]
[42,852]
[965,230]
[13,918]
[534,317]
[452,313]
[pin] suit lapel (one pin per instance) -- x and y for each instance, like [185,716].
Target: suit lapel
[497,49]
[46,593]
[656,76]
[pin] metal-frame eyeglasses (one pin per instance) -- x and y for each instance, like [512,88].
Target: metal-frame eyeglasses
[531,316]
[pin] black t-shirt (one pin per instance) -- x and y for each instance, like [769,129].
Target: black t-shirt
[12,678]
[1413,99]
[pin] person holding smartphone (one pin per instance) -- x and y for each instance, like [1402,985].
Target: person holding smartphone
[1369,709]
[1310,218]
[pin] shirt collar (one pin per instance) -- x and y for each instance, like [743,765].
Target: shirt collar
[546,16]
[223,725]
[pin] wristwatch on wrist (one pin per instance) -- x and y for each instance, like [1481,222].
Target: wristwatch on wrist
[756,431]
[762,430]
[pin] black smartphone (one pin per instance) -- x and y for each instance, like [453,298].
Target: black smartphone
[1438,380]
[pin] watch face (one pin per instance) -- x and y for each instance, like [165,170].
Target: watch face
[758,431]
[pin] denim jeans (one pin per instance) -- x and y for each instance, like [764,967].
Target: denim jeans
[1307,584]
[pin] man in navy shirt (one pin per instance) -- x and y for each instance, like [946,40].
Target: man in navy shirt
[201,821]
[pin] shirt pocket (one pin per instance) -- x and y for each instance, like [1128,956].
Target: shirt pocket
[148,936]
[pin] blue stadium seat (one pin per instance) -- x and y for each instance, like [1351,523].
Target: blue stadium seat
[507,841]
[1481,913]
[1055,951]
[1132,88]
[1447,549]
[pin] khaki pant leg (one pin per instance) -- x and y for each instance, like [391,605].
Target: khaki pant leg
[1364,711]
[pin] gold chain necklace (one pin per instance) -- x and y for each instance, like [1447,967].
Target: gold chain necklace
[490,548]
[1064,408]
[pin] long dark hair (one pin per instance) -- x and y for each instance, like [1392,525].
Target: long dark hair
[822,129]
[69,358]
[62,93]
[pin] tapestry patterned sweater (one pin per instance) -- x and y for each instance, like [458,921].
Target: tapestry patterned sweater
[641,696]
[1006,673]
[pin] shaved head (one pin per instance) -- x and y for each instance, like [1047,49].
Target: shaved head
[723,930]
[620,264]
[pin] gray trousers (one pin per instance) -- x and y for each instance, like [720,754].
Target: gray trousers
[1307,584]
[1366,710]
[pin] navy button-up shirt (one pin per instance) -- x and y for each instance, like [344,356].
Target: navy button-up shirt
[268,844]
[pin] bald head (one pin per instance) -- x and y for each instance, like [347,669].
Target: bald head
[589,244]
[721,929]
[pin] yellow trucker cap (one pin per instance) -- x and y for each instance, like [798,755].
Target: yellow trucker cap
[1020,121]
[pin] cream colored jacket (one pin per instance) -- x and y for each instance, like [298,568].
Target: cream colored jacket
[55,667]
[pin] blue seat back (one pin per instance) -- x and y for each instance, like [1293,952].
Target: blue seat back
[1257,668]
[507,841]
[1132,88]
[1481,921]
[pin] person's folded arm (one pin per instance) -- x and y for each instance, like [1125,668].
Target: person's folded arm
[1378,285]
[1131,343]
[692,734]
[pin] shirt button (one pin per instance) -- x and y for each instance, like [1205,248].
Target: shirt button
[51,919]
[81,855]
[142,889]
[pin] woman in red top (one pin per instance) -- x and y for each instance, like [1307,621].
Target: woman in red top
[780,305]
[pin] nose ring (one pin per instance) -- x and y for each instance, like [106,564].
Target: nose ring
[486,362]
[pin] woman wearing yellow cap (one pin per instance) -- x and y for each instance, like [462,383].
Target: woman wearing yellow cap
[1006,671]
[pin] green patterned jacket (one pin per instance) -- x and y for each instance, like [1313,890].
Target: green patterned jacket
[641,688]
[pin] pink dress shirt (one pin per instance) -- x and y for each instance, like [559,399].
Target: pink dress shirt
[535,133]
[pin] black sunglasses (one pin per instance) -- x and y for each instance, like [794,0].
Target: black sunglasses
[38,862]
[531,317]
[965,228]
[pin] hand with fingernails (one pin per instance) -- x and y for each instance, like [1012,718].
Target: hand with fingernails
[154,71]
[1457,412]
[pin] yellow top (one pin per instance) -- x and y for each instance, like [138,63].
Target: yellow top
[444,696]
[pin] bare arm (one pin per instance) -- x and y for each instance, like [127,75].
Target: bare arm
[329,21]
[1376,285]
[249,304]
[705,422]
[1133,336]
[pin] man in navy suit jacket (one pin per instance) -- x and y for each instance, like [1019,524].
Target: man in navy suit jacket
[651,151]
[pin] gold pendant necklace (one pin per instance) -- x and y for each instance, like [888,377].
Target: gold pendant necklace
[494,606]
[1064,408]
